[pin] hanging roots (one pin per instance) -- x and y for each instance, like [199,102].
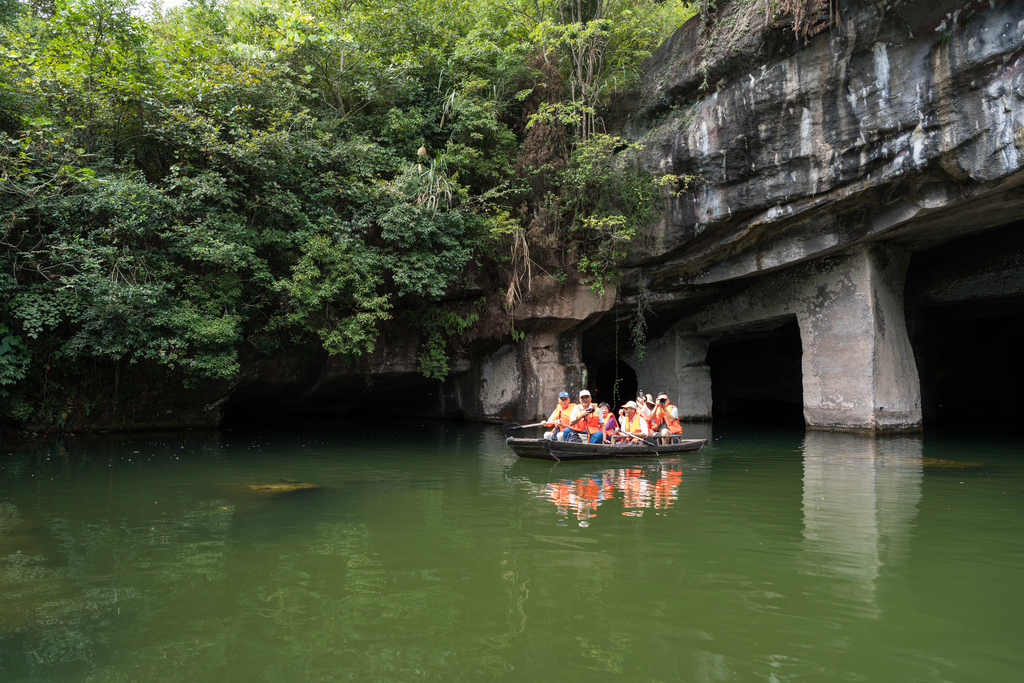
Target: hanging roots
[521,270]
[807,17]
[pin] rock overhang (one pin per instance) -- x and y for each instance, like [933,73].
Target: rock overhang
[893,126]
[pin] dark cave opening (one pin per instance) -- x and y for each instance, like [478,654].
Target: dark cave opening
[614,382]
[971,365]
[756,377]
[352,398]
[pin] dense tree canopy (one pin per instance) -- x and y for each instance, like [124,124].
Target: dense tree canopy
[178,187]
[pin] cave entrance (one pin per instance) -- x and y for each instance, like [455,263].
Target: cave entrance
[971,365]
[756,376]
[604,383]
[352,396]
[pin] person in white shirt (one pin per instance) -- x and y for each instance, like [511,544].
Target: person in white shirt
[584,423]
[633,422]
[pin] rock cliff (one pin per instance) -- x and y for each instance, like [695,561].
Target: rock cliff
[830,180]
[900,126]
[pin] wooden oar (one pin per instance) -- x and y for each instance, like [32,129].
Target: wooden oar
[641,440]
[513,427]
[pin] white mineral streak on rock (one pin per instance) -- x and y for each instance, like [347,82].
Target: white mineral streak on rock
[1003,128]
[882,78]
[806,138]
[918,143]
[500,380]
[882,74]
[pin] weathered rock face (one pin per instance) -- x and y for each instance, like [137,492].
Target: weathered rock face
[521,382]
[849,185]
[818,175]
[858,367]
[900,121]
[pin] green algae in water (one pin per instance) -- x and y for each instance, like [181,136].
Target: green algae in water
[442,557]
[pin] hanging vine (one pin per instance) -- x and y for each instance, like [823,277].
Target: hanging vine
[638,328]
[615,383]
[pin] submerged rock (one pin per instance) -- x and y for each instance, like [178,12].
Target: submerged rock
[281,487]
[949,464]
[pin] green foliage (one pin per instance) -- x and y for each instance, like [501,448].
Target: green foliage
[180,189]
[638,327]
[606,203]
[14,358]
[441,327]
[327,274]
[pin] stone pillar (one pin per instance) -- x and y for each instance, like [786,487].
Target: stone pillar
[858,367]
[675,364]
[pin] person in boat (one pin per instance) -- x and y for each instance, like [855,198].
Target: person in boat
[645,406]
[584,423]
[559,420]
[608,424]
[633,422]
[665,420]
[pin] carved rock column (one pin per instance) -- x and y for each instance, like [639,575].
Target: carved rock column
[859,372]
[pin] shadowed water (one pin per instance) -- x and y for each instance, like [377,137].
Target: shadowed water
[434,554]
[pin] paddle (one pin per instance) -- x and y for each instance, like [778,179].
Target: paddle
[512,427]
[634,436]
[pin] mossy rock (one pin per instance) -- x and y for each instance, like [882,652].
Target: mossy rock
[279,487]
[949,464]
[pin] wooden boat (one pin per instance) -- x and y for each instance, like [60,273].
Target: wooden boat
[546,449]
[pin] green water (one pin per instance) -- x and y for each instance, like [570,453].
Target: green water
[438,556]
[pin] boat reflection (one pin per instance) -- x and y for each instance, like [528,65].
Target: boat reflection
[629,490]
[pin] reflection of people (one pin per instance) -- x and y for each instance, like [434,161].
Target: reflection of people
[608,424]
[632,421]
[559,419]
[583,422]
[667,489]
[665,419]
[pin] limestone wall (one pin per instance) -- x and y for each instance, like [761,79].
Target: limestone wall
[815,174]
[901,115]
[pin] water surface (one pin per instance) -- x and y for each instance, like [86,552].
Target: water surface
[434,554]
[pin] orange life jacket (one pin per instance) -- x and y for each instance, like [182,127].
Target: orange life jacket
[664,413]
[591,424]
[606,426]
[632,426]
[563,416]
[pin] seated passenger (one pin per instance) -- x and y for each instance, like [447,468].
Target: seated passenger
[584,425]
[633,422]
[665,420]
[645,406]
[608,425]
[559,419]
